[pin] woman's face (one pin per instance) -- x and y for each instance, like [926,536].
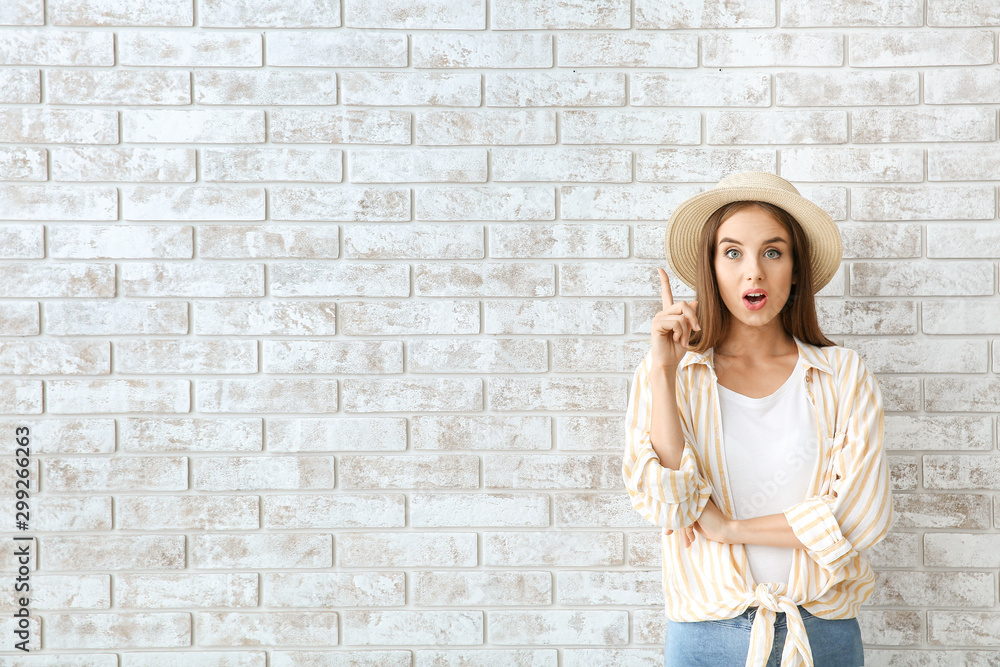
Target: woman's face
[753,255]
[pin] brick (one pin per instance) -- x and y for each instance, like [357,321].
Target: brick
[113,552]
[211,513]
[65,126]
[650,14]
[921,278]
[941,510]
[954,471]
[54,591]
[340,510]
[20,86]
[113,13]
[362,357]
[896,550]
[570,164]
[976,628]
[921,48]
[117,630]
[109,396]
[264,318]
[776,127]
[893,627]
[410,549]
[904,472]
[624,656]
[19,318]
[867,165]
[55,202]
[700,89]
[962,394]
[23,12]
[959,317]
[274,628]
[485,203]
[478,279]
[416,14]
[773,49]
[900,394]
[333,589]
[272,164]
[125,473]
[909,355]
[183,434]
[293,279]
[673,165]
[598,510]
[413,395]
[538,471]
[938,432]
[57,48]
[950,202]
[556,394]
[268,241]
[607,279]
[453,432]
[458,89]
[408,317]
[963,240]
[409,471]
[574,317]
[418,165]
[414,241]
[118,87]
[346,126]
[288,550]
[614,588]
[563,548]
[192,280]
[535,241]
[895,13]
[134,317]
[183,356]
[477,356]
[267,87]
[867,318]
[962,13]
[268,14]
[631,126]
[164,48]
[580,355]
[267,395]
[880,240]
[962,86]
[621,202]
[481,50]
[254,473]
[847,88]
[315,48]
[940,124]
[493,510]
[194,126]
[319,434]
[21,241]
[339,204]
[159,202]
[489,127]
[554,14]
[55,357]
[413,628]
[157,591]
[595,433]
[468,589]
[961,550]
[618,50]
[556,88]
[68,514]
[963,163]
[121,242]
[154,165]
[340,658]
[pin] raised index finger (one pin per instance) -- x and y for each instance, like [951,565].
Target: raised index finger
[665,294]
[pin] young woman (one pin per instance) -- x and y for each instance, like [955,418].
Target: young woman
[753,441]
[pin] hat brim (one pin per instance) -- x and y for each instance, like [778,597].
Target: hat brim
[684,228]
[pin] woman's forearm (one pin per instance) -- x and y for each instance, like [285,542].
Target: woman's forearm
[665,432]
[770,530]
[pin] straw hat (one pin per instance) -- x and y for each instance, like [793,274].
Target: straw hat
[686,222]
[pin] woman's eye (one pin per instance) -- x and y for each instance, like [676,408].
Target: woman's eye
[729,251]
[777,253]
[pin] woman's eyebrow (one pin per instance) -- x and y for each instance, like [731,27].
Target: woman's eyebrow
[776,239]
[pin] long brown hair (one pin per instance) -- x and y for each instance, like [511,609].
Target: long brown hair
[798,317]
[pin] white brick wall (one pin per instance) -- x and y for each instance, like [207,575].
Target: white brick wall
[322,313]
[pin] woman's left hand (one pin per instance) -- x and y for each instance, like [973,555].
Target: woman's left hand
[713,524]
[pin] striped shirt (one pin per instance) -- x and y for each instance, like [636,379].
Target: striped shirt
[847,508]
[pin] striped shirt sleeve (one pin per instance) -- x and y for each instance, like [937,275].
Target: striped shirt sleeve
[856,512]
[667,498]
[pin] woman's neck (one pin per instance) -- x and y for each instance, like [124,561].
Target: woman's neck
[756,343]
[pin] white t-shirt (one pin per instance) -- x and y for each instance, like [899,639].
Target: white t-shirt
[770,451]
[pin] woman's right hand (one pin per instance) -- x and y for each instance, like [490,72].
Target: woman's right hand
[671,328]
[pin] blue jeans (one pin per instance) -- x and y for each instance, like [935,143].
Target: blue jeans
[725,643]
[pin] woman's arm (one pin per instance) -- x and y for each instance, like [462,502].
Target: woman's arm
[772,530]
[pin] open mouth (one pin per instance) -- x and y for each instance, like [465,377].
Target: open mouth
[755,300]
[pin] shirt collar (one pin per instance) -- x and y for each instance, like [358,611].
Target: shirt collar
[812,357]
